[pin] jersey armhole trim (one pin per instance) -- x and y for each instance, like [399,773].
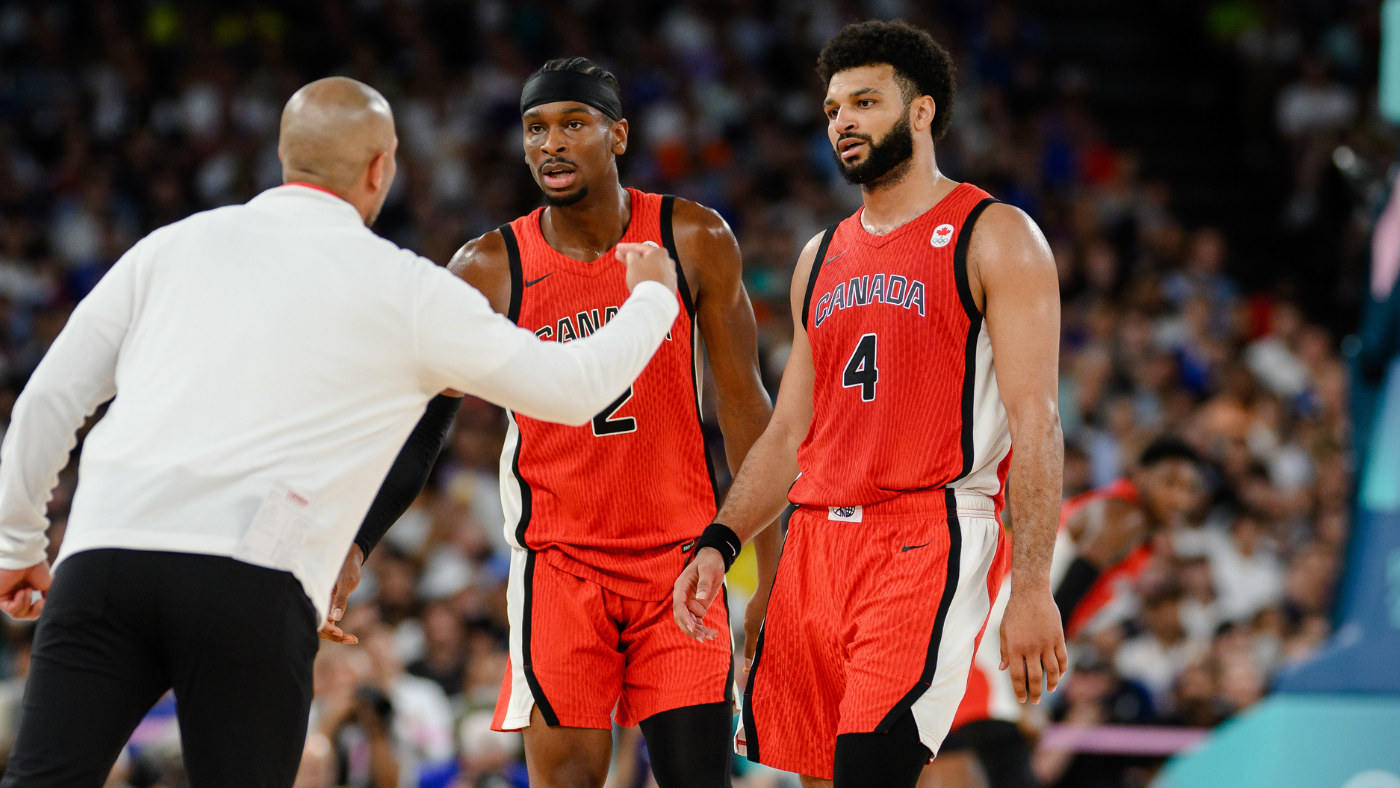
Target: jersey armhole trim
[974,329]
[668,240]
[816,269]
[517,273]
[960,259]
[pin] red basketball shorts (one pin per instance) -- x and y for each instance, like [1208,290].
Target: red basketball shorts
[580,651]
[875,611]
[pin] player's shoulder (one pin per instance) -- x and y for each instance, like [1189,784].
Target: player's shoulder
[485,253]
[701,230]
[692,216]
[1003,224]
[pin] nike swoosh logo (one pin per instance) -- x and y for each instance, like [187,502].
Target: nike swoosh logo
[833,257]
[909,547]
[537,281]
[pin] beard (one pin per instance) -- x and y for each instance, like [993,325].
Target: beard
[888,158]
[564,201]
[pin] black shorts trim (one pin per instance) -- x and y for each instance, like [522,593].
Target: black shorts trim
[950,586]
[546,710]
[750,728]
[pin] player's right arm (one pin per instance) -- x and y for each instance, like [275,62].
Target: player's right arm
[465,344]
[759,492]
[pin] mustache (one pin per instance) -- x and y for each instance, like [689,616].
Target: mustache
[851,135]
[556,160]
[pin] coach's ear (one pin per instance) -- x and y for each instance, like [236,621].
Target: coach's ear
[619,132]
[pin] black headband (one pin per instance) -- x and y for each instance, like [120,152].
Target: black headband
[547,87]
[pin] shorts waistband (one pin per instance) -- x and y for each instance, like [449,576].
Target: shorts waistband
[968,503]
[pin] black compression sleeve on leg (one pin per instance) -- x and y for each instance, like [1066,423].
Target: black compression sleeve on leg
[1078,579]
[409,472]
[881,760]
[690,746]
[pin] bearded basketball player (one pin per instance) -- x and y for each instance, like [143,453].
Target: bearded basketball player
[925,345]
[603,517]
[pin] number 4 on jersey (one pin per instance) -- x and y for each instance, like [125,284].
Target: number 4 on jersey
[861,370]
[605,424]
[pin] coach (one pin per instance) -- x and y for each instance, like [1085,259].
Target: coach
[267,361]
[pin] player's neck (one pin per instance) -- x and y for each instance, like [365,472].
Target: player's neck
[591,226]
[895,202]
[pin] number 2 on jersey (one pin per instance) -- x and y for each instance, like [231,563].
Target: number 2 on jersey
[861,370]
[605,424]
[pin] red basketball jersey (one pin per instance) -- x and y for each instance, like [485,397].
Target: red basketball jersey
[614,501]
[905,395]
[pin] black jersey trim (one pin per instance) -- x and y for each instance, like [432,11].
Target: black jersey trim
[527,615]
[974,330]
[517,273]
[525,495]
[950,587]
[816,269]
[668,240]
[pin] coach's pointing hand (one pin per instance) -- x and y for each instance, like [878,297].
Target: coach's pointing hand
[695,590]
[17,587]
[646,262]
[1033,643]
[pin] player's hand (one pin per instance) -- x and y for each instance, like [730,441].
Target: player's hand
[1032,642]
[695,590]
[646,262]
[17,587]
[345,586]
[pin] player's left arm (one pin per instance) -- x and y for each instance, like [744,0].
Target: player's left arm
[1013,280]
[726,321]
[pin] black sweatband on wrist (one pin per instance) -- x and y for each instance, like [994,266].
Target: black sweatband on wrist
[1078,579]
[548,87]
[722,538]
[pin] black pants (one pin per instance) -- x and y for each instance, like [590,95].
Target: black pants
[120,627]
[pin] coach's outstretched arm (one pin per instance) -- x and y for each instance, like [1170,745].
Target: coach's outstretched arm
[1012,277]
[759,492]
[467,347]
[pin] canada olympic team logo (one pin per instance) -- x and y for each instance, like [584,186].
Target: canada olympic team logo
[942,234]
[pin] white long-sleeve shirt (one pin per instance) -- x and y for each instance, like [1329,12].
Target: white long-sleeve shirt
[275,345]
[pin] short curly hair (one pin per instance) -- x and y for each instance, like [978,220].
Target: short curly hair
[922,66]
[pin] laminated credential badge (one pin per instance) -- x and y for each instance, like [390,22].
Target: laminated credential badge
[278,529]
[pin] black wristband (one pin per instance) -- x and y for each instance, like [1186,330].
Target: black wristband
[722,538]
[1078,579]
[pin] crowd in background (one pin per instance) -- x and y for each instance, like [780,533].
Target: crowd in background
[118,118]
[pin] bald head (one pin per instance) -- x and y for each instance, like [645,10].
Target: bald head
[334,130]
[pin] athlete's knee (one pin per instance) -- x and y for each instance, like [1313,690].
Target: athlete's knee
[887,760]
[576,773]
[690,747]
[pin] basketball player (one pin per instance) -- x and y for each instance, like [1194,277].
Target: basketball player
[602,517]
[925,342]
[1106,533]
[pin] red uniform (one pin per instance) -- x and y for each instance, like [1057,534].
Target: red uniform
[602,516]
[1124,573]
[895,553]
